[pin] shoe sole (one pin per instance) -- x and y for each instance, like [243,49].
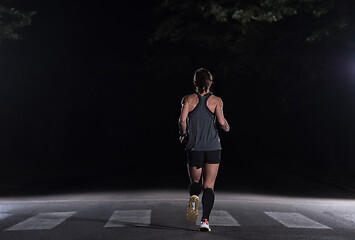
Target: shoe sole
[204,229]
[191,214]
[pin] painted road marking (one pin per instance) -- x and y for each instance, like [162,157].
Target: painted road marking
[219,218]
[295,220]
[47,220]
[123,218]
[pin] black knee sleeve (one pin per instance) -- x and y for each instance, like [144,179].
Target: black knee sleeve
[207,202]
[195,188]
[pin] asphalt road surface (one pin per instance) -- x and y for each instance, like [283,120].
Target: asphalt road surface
[160,214]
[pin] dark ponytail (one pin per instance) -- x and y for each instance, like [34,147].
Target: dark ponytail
[202,78]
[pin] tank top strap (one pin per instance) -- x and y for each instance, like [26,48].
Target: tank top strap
[202,102]
[207,96]
[199,97]
[204,98]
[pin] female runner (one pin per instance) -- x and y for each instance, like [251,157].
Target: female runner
[197,124]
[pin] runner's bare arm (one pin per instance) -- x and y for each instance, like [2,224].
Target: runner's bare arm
[183,116]
[220,117]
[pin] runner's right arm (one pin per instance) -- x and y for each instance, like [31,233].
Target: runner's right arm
[220,117]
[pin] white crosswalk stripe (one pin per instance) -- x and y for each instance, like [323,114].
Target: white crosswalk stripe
[4,215]
[295,220]
[47,220]
[123,218]
[219,218]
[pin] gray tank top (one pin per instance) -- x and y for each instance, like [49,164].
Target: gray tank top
[201,127]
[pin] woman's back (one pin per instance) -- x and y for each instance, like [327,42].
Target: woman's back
[202,132]
[194,100]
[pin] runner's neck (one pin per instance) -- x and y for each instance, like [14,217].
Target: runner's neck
[204,93]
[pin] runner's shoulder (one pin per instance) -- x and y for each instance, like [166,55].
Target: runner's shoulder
[189,98]
[216,99]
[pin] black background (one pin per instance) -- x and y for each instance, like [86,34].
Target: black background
[84,104]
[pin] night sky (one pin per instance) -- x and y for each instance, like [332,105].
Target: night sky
[84,101]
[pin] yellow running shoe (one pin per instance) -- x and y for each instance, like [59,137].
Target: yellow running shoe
[192,210]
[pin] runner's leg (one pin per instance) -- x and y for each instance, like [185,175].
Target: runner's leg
[194,190]
[194,168]
[209,174]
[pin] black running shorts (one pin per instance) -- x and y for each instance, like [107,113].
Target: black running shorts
[198,158]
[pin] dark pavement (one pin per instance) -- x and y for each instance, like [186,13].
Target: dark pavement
[328,213]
